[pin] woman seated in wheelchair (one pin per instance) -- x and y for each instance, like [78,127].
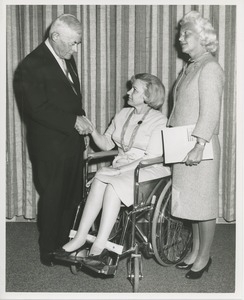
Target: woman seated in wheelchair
[136,130]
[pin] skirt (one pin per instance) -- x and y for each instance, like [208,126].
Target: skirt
[123,183]
[195,189]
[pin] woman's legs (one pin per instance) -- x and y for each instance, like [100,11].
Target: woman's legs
[111,208]
[191,257]
[203,234]
[206,234]
[92,208]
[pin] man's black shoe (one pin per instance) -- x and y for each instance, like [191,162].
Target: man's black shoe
[47,259]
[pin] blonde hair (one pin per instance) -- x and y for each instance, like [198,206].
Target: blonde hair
[155,90]
[205,30]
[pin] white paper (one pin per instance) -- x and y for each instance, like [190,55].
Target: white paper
[178,141]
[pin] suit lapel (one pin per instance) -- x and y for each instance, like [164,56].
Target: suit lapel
[58,71]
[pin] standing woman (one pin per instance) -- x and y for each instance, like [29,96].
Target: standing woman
[197,100]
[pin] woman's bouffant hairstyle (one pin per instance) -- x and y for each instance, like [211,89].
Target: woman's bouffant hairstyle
[155,90]
[205,29]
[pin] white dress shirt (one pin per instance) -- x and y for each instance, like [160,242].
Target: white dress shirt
[60,61]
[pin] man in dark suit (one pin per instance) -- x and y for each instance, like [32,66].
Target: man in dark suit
[49,89]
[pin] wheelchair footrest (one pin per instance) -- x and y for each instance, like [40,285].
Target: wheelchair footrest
[106,270]
[109,245]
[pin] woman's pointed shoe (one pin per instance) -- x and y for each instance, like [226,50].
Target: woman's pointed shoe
[97,261]
[61,252]
[183,266]
[196,275]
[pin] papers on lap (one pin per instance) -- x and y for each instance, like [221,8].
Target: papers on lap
[178,141]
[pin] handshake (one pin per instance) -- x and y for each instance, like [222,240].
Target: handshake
[83,125]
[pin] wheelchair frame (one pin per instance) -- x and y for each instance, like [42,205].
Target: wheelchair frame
[167,239]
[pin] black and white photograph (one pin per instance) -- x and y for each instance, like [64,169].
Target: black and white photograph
[121,150]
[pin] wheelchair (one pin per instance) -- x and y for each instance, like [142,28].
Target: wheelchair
[145,229]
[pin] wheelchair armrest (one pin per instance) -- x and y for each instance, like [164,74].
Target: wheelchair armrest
[101,154]
[151,161]
[143,164]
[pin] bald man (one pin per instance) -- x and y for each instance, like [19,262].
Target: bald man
[48,87]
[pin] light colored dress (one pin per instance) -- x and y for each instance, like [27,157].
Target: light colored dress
[147,144]
[197,100]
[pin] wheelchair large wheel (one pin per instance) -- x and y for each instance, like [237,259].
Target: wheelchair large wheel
[171,237]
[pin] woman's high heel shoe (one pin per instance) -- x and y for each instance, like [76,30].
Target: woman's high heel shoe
[97,261]
[62,253]
[196,275]
[183,266]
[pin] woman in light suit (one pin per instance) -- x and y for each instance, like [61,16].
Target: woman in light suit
[197,100]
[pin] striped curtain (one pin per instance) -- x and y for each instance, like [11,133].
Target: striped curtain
[118,41]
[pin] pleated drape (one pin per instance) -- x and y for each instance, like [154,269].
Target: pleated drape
[118,41]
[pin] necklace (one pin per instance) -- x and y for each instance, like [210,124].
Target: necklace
[133,135]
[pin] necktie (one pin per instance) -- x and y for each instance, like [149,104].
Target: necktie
[67,73]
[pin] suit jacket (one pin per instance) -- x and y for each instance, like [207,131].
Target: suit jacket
[197,97]
[50,105]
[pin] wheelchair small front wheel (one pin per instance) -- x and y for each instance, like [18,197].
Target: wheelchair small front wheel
[134,271]
[171,237]
[75,269]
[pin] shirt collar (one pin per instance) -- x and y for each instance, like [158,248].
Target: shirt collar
[199,58]
[52,51]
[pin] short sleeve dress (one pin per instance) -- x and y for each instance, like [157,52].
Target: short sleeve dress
[147,144]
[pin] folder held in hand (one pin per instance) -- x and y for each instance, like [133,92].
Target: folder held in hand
[178,141]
